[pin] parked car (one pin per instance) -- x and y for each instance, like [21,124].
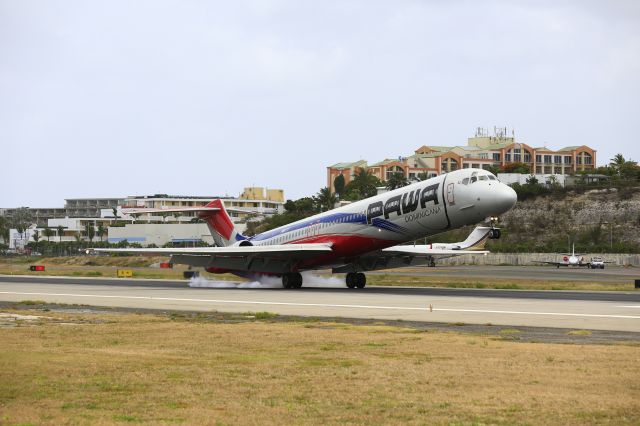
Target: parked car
[596,263]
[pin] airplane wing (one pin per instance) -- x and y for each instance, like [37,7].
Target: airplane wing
[402,257]
[548,263]
[266,259]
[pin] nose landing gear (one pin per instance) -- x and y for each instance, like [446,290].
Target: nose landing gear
[356,280]
[494,233]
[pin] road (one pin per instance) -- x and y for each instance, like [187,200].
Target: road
[619,311]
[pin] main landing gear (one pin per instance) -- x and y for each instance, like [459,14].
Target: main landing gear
[292,280]
[356,280]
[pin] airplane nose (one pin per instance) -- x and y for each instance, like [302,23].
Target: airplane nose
[506,199]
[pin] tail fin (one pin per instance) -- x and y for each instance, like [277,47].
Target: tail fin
[220,224]
[476,239]
[222,228]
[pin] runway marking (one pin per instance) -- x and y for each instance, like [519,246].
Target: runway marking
[325,305]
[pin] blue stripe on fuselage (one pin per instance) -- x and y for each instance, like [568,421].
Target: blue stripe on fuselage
[353,218]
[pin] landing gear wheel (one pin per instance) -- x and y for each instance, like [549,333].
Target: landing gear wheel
[297,280]
[287,281]
[494,233]
[293,280]
[351,280]
[361,280]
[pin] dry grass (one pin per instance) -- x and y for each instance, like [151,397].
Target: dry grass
[495,283]
[100,266]
[89,368]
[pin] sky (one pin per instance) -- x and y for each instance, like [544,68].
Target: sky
[115,98]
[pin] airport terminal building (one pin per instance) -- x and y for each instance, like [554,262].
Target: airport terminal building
[70,222]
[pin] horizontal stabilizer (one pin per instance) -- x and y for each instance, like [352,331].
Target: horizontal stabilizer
[176,210]
[426,250]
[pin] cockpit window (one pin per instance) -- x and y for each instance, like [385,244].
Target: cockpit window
[492,177]
[465,181]
[483,177]
[474,177]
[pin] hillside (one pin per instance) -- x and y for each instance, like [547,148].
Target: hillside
[605,220]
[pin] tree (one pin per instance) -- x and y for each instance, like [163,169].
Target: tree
[423,176]
[516,168]
[494,170]
[21,220]
[363,185]
[396,180]
[101,231]
[60,229]
[115,213]
[532,180]
[338,184]
[176,216]
[325,199]
[47,232]
[630,170]
[90,231]
[4,229]
[36,237]
[617,162]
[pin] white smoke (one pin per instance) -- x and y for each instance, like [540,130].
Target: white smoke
[266,281]
[312,280]
[262,282]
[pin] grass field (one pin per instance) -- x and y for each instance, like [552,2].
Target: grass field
[107,266]
[60,367]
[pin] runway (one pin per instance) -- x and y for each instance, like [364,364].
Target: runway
[619,311]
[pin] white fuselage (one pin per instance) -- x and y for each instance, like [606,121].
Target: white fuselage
[419,210]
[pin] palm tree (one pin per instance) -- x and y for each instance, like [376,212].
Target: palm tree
[363,185]
[60,229]
[396,180]
[325,199]
[617,162]
[36,237]
[338,184]
[90,231]
[101,231]
[4,230]
[48,232]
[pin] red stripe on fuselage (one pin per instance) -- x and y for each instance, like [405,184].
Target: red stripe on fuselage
[344,247]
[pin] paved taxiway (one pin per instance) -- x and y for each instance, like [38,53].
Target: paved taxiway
[618,311]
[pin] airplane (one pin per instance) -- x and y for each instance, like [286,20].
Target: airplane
[573,259]
[363,236]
